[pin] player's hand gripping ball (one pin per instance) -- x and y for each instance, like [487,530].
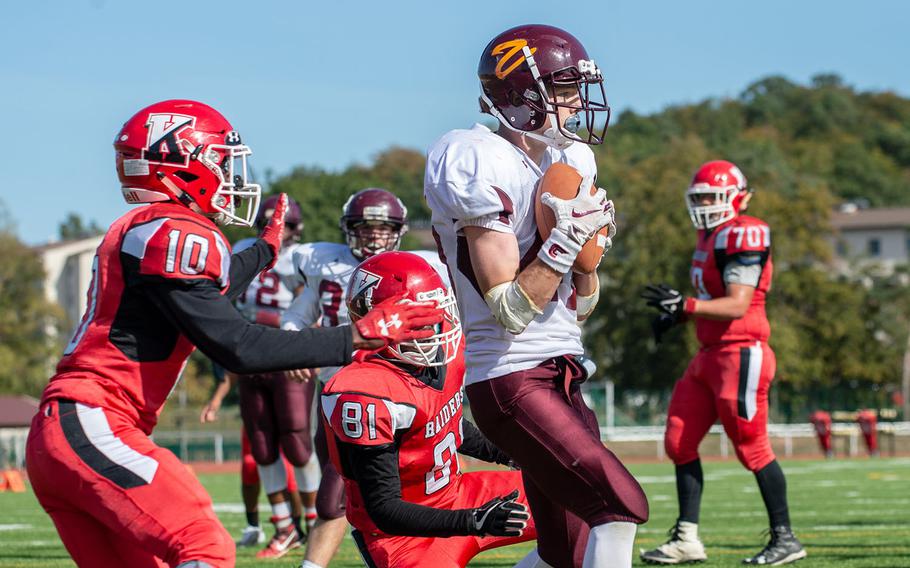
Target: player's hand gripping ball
[573,205]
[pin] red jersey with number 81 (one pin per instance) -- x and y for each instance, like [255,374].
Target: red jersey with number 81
[374,402]
[745,240]
[125,355]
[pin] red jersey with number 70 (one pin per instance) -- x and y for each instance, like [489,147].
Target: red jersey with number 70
[744,240]
[375,402]
[125,355]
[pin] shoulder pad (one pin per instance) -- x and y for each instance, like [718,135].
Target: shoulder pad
[365,419]
[746,234]
[178,249]
[470,174]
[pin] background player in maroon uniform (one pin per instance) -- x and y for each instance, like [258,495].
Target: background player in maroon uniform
[162,284]
[395,427]
[250,485]
[730,375]
[373,220]
[275,407]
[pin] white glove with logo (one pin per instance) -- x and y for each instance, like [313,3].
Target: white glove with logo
[577,220]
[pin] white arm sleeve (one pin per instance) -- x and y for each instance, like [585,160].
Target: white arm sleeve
[303,312]
[746,274]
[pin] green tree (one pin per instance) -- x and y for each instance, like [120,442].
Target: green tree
[74,228]
[26,350]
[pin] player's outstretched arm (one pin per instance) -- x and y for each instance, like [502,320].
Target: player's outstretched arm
[214,325]
[375,468]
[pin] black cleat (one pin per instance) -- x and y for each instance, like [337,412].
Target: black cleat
[783,548]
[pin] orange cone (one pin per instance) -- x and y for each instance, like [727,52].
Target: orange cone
[14,481]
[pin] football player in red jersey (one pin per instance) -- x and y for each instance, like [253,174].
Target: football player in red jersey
[730,376]
[162,284]
[394,426]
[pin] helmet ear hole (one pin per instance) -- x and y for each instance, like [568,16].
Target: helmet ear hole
[186,176]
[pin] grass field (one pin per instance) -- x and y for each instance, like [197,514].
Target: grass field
[848,513]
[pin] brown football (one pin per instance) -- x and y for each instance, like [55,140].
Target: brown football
[562,181]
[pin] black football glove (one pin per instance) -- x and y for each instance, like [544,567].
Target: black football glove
[665,299]
[661,325]
[501,516]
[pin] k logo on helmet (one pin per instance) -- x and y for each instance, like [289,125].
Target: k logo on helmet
[514,48]
[362,284]
[163,147]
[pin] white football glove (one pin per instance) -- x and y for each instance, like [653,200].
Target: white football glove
[582,216]
[577,220]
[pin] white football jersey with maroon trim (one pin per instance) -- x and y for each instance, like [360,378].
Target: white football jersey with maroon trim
[475,177]
[324,269]
[267,296]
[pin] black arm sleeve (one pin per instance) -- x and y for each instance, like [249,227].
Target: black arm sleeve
[375,468]
[214,325]
[476,445]
[246,265]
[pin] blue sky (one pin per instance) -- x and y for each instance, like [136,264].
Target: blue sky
[332,83]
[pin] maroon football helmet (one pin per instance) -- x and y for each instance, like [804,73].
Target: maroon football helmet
[293,219]
[519,72]
[373,221]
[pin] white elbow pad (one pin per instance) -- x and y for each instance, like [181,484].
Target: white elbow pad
[511,306]
[584,305]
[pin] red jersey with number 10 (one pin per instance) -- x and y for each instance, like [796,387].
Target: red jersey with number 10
[125,355]
[374,402]
[747,241]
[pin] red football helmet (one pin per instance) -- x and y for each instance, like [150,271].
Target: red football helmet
[293,219]
[391,274]
[519,71]
[716,194]
[186,152]
[373,221]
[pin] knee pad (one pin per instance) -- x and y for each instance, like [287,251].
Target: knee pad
[204,544]
[308,476]
[752,446]
[274,477]
[296,447]
[263,447]
[678,449]
[330,497]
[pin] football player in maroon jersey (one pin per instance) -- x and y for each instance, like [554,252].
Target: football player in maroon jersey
[730,376]
[162,285]
[275,407]
[394,427]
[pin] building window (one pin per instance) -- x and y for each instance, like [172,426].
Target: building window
[874,247]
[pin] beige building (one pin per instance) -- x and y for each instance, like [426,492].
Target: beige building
[68,268]
[872,236]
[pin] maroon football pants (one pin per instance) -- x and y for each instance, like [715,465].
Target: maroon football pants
[538,417]
[276,416]
[330,495]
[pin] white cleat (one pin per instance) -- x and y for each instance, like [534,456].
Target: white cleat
[251,536]
[682,548]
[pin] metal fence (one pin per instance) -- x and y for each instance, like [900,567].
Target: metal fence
[646,442]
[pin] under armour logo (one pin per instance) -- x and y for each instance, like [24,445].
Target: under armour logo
[385,325]
[556,250]
[232,138]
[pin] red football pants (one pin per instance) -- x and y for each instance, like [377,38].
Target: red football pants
[729,382]
[474,490]
[115,497]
